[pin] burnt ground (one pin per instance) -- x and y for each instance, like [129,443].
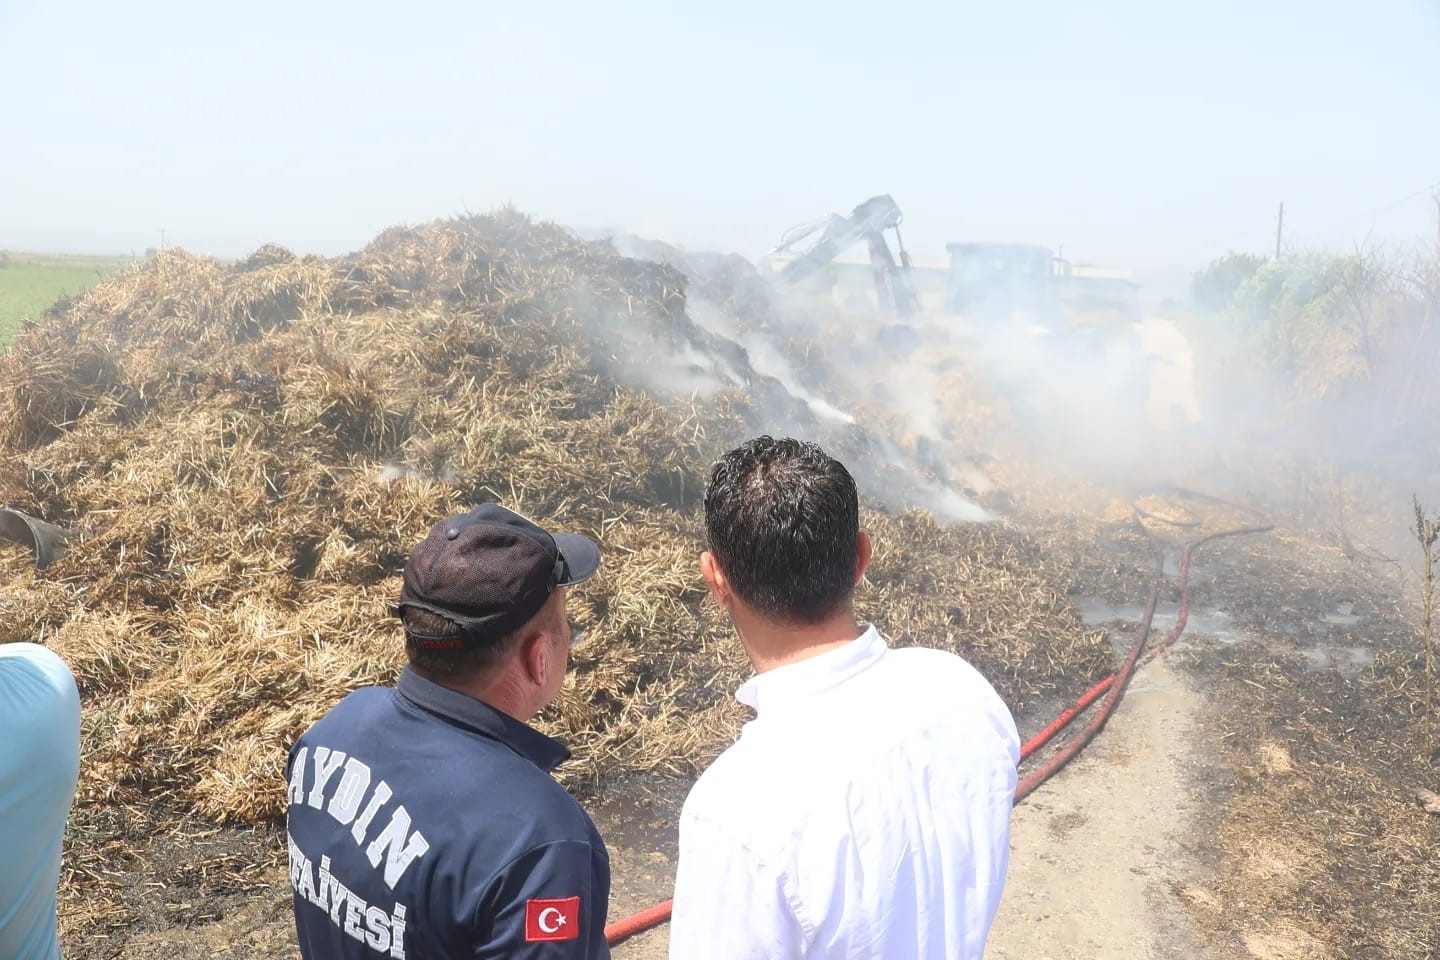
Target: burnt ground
[1317,844]
[196,891]
[1252,797]
[1297,834]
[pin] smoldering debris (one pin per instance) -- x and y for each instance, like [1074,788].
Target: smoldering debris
[221,445]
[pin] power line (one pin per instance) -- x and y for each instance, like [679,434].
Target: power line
[1428,188]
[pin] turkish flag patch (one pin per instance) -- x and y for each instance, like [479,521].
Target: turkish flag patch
[552,919]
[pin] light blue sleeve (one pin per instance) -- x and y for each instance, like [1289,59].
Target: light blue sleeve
[39,766]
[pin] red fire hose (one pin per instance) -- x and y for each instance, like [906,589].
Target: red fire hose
[1094,693]
[646,919]
[1116,683]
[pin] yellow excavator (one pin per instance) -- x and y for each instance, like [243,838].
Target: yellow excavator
[1029,315]
[1023,285]
[807,249]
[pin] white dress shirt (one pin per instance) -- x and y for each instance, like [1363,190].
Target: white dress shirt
[864,813]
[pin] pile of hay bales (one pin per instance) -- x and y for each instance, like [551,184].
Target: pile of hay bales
[249,451]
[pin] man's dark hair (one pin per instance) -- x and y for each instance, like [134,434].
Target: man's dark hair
[783,518]
[461,662]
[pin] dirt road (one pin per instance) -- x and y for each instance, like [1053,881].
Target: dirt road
[1096,851]
[639,824]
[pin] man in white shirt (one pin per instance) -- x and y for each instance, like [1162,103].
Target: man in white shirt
[865,811]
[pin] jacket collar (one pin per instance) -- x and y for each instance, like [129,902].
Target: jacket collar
[465,711]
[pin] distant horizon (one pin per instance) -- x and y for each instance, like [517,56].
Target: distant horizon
[1158,282]
[1166,273]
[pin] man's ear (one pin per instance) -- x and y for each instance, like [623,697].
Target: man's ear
[715,579]
[537,657]
[864,549]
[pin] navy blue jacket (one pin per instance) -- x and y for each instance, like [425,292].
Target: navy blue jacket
[424,824]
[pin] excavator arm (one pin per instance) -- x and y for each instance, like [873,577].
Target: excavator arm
[867,222]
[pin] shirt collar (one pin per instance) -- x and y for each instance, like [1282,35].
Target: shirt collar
[795,681]
[476,715]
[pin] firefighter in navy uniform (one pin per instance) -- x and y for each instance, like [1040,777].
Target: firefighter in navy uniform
[423,822]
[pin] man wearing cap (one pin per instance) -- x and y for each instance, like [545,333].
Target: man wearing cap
[423,821]
[865,812]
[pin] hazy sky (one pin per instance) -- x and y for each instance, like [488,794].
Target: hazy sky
[1134,132]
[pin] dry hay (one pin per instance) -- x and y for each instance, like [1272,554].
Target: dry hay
[1284,941]
[250,452]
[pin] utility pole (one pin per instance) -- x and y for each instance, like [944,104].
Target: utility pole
[1279,229]
[1433,300]
[162,238]
[1436,197]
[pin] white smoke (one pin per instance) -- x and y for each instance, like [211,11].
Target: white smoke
[765,358]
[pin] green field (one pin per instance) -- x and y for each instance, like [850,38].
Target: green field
[30,282]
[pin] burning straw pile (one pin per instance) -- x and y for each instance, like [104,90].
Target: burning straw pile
[249,452]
